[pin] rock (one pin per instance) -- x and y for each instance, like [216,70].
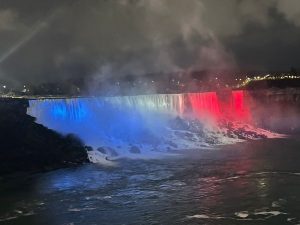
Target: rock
[108,151]
[178,124]
[172,144]
[112,152]
[102,150]
[134,150]
[28,146]
[88,148]
[188,135]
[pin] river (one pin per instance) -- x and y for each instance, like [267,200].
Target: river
[255,182]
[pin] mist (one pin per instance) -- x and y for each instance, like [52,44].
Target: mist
[97,40]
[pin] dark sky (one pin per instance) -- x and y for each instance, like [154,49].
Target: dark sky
[46,40]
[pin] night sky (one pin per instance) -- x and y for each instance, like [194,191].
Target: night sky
[51,40]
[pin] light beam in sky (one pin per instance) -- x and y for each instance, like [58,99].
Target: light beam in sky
[29,36]
[23,41]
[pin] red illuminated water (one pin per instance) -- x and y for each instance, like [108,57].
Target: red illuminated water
[209,105]
[239,108]
[205,104]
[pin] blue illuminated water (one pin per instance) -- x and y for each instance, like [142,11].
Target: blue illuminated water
[109,121]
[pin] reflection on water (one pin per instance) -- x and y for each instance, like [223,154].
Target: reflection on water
[250,183]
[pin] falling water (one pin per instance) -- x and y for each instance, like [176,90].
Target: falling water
[239,108]
[100,121]
[205,105]
[133,120]
[171,104]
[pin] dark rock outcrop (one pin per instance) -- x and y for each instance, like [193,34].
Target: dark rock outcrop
[108,151]
[276,109]
[135,150]
[28,146]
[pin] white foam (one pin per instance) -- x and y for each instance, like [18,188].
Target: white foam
[202,216]
[8,218]
[198,217]
[243,214]
[99,158]
[81,209]
[268,213]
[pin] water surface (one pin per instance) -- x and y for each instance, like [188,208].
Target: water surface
[256,182]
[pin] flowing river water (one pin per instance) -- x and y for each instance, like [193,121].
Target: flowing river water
[254,182]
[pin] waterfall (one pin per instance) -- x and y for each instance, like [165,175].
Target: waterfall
[133,120]
[205,105]
[108,119]
[170,104]
[239,109]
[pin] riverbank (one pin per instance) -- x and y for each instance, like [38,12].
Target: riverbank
[26,146]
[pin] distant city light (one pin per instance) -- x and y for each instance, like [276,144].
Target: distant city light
[267,77]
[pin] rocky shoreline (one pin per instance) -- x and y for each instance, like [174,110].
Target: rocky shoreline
[26,146]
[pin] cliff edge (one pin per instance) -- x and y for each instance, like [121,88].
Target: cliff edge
[28,146]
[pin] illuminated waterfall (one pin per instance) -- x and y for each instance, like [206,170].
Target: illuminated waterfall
[205,105]
[133,120]
[172,104]
[239,108]
[109,120]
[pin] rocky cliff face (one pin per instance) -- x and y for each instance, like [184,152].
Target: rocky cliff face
[276,109]
[27,146]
